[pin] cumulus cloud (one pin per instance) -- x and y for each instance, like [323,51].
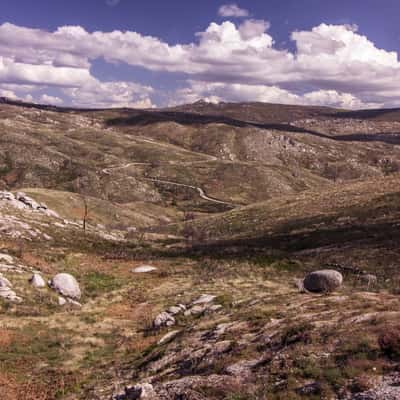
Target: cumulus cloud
[331,63]
[52,100]
[252,28]
[232,10]
[111,94]
[11,94]
[236,92]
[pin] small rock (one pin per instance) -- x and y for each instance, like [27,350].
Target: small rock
[164,319]
[5,258]
[369,279]
[215,307]
[8,294]
[325,280]
[143,391]
[222,347]
[309,389]
[4,282]
[168,337]
[176,309]
[66,285]
[204,299]
[61,301]
[143,269]
[196,310]
[37,281]
[74,303]
[242,368]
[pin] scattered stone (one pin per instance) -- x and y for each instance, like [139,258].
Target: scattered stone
[222,347]
[5,258]
[164,319]
[196,310]
[204,299]
[21,201]
[369,279]
[61,301]
[37,281]
[9,294]
[215,307]
[11,268]
[144,268]
[309,389]
[242,368]
[168,337]
[4,282]
[74,303]
[174,310]
[325,280]
[66,285]
[388,389]
[143,391]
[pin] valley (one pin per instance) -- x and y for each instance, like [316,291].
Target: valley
[189,231]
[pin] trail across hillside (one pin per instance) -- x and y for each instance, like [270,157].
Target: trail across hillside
[201,192]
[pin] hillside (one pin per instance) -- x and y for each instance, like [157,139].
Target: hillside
[188,231]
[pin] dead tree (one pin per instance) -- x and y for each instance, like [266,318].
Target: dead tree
[85,205]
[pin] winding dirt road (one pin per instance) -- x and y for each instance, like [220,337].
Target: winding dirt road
[201,192]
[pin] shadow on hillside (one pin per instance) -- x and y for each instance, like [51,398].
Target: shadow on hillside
[153,117]
[388,114]
[388,138]
[145,118]
[384,235]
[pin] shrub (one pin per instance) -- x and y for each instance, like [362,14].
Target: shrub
[389,342]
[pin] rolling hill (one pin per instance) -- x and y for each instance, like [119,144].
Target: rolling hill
[227,207]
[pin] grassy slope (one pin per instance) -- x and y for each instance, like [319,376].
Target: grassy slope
[337,207]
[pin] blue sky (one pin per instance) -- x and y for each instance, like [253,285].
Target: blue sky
[341,53]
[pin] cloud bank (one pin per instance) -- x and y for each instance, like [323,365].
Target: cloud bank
[331,65]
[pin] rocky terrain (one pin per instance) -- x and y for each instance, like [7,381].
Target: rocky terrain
[222,252]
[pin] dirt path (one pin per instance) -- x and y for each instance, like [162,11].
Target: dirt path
[201,192]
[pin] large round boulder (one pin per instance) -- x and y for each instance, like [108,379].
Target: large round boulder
[66,285]
[326,280]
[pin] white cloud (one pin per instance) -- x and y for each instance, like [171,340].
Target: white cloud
[252,28]
[15,72]
[332,63]
[225,92]
[8,93]
[53,100]
[111,94]
[12,95]
[232,10]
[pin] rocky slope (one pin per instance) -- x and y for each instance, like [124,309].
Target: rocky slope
[161,254]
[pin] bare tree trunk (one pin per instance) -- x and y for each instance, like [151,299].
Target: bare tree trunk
[85,213]
[85,205]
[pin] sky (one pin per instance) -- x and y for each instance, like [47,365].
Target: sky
[157,53]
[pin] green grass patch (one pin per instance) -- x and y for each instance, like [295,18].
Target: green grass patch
[97,283]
